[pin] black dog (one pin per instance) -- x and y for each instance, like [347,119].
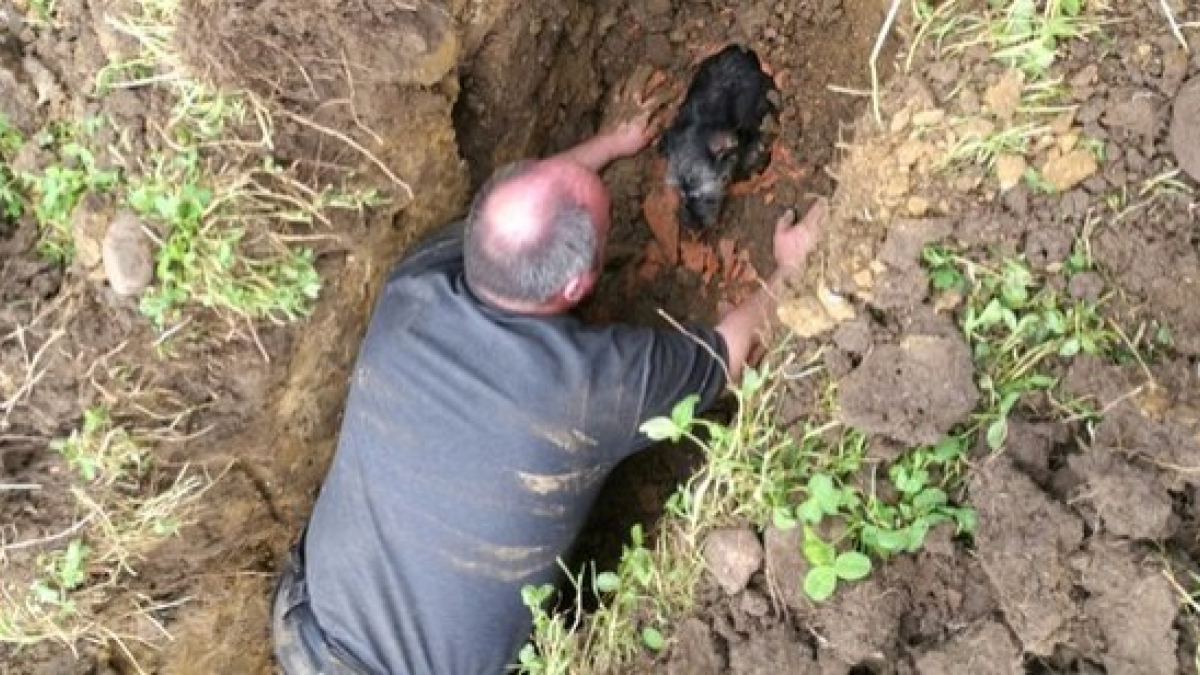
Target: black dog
[717,135]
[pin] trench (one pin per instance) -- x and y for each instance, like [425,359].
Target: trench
[578,55]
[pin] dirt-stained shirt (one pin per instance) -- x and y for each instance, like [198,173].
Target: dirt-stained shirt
[473,445]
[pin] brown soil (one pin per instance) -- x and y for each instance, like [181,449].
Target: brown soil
[1064,574]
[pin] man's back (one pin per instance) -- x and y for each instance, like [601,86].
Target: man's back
[473,445]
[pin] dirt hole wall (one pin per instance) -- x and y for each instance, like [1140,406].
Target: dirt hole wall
[460,89]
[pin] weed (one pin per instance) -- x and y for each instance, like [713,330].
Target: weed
[829,566]
[64,571]
[101,452]
[12,202]
[55,191]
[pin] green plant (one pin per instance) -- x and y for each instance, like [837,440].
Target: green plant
[100,451]
[828,567]
[55,191]
[12,202]
[64,572]
[204,258]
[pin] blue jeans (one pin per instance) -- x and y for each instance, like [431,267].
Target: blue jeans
[301,647]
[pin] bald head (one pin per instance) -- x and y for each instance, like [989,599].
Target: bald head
[534,228]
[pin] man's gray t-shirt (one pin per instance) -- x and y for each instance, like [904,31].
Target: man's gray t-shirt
[473,445]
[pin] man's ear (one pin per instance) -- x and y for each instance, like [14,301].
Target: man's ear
[577,289]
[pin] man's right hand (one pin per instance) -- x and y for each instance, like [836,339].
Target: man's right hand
[793,243]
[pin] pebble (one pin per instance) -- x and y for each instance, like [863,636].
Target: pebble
[128,260]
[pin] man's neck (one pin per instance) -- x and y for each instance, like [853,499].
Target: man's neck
[518,307]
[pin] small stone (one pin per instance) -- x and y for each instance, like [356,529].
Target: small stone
[1069,170]
[900,120]
[1010,169]
[128,260]
[733,555]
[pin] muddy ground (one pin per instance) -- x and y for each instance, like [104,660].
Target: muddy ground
[1064,574]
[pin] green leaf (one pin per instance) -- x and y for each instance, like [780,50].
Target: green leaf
[653,638]
[661,429]
[1069,348]
[891,540]
[929,499]
[948,449]
[535,596]
[817,550]
[684,412]
[752,381]
[852,566]
[810,511]
[820,582]
[528,656]
[783,518]
[966,519]
[607,582]
[996,434]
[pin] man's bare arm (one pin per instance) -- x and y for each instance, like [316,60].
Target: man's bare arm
[601,150]
[741,326]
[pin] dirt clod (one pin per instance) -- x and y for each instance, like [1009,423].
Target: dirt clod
[732,556]
[1185,128]
[984,649]
[1067,171]
[1133,606]
[913,392]
[1023,540]
[1127,499]
[693,652]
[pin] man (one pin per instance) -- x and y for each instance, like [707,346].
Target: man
[481,422]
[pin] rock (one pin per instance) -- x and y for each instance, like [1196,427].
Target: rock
[1010,169]
[128,260]
[1069,170]
[1185,128]
[733,555]
[1004,97]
